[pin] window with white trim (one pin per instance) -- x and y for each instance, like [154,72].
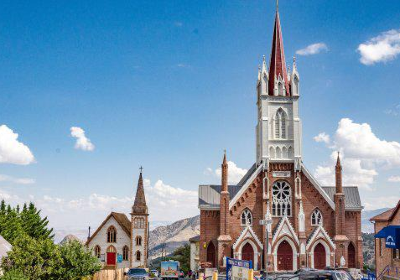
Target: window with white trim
[246,218]
[316,218]
[280,124]
[281,199]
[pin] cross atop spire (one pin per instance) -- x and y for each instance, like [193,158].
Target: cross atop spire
[277,64]
[141,169]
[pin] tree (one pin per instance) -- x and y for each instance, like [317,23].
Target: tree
[33,224]
[77,261]
[13,275]
[44,260]
[182,254]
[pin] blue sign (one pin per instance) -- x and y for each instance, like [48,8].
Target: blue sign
[237,269]
[119,258]
[391,235]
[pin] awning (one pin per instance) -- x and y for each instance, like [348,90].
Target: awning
[391,235]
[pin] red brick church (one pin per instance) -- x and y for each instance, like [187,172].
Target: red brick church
[278,215]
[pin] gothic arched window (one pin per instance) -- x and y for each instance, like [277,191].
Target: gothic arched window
[111,235]
[97,251]
[138,241]
[138,255]
[281,199]
[246,217]
[316,218]
[125,253]
[280,124]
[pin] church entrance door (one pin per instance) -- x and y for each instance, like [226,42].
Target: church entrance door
[211,254]
[351,251]
[248,253]
[319,256]
[285,256]
[111,258]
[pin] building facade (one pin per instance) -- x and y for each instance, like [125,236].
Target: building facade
[120,242]
[278,215]
[387,260]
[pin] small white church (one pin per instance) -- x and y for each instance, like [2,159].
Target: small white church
[120,242]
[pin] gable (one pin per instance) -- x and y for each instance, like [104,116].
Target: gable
[118,220]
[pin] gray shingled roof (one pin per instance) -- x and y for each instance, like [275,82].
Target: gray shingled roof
[352,197]
[209,195]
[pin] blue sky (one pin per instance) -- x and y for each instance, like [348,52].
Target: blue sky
[170,84]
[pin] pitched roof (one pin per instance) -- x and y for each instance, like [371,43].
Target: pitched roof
[387,215]
[5,247]
[277,64]
[121,219]
[140,206]
[352,196]
[209,195]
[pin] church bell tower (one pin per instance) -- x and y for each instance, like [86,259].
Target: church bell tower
[278,129]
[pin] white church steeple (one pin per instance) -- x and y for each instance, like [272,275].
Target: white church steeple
[278,130]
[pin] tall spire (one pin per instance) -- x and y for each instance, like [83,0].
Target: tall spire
[338,175]
[277,65]
[140,206]
[224,175]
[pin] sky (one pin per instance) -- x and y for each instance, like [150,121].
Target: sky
[90,91]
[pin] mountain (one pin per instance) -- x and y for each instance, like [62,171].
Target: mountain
[165,239]
[70,237]
[366,225]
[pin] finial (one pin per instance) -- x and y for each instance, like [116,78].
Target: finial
[141,169]
[259,67]
[277,5]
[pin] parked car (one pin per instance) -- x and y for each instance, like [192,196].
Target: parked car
[137,274]
[331,274]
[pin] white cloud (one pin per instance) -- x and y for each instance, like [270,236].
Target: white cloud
[166,203]
[235,173]
[82,142]
[13,151]
[312,49]
[362,154]
[394,179]
[22,181]
[372,203]
[382,48]
[322,137]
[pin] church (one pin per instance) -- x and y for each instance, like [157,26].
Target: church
[120,242]
[279,216]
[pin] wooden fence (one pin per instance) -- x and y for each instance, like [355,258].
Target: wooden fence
[110,274]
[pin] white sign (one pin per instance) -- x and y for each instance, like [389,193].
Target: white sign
[240,273]
[281,174]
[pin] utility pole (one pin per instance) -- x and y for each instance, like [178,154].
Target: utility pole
[267,222]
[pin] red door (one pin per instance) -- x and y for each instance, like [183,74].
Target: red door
[351,251]
[319,256]
[248,253]
[211,254]
[111,258]
[285,256]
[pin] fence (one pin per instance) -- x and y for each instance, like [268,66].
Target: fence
[110,274]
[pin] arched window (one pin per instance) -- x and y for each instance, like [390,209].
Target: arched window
[138,241]
[280,88]
[138,255]
[246,218]
[111,235]
[280,124]
[316,218]
[281,199]
[139,223]
[97,251]
[272,152]
[278,152]
[125,253]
